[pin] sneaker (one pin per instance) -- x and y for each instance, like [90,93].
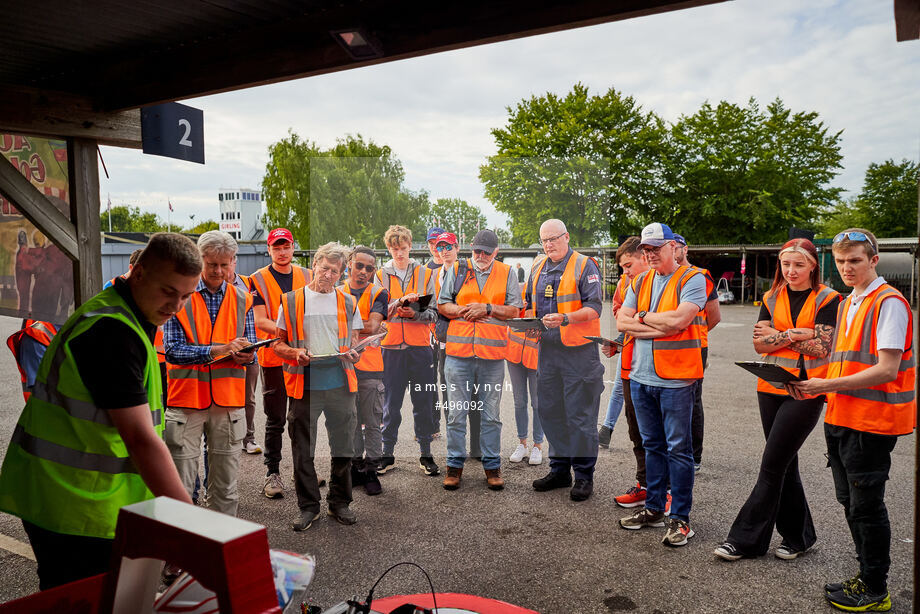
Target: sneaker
[386,463]
[494,479]
[428,466]
[372,483]
[603,436]
[833,587]
[536,456]
[678,533]
[643,518]
[343,514]
[519,453]
[857,597]
[252,447]
[307,518]
[554,479]
[728,552]
[697,467]
[452,479]
[581,490]
[274,487]
[788,553]
[634,497]
[667,505]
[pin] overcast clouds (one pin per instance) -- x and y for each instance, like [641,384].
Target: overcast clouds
[837,58]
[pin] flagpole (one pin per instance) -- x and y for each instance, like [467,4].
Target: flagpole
[110,212]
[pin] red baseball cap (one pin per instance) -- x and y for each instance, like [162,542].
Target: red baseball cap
[446,237]
[279,234]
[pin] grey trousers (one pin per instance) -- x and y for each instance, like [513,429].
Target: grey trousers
[252,378]
[369,440]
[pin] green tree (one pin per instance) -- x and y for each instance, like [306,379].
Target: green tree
[745,175]
[349,193]
[887,204]
[130,219]
[504,236]
[457,216]
[203,227]
[596,162]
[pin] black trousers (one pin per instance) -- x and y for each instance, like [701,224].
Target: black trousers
[696,423]
[65,558]
[275,405]
[634,435]
[778,497]
[860,463]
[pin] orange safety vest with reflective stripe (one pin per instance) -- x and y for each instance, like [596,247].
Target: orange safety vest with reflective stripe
[886,409]
[523,350]
[271,293]
[401,330]
[676,356]
[626,352]
[372,357]
[701,320]
[485,339]
[781,319]
[568,299]
[295,303]
[42,332]
[198,386]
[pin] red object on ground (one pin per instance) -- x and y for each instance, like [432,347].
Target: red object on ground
[456,601]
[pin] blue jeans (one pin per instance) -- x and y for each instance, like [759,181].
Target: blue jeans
[486,378]
[664,416]
[615,406]
[523,378]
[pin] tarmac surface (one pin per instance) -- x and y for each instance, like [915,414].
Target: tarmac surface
[543,551]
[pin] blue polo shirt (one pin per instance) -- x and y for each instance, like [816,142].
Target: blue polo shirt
[589,287]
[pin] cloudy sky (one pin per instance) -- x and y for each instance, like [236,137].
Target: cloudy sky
[838,58]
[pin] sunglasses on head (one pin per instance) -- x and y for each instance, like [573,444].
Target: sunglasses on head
[857,236]
[444,247]
[370,268]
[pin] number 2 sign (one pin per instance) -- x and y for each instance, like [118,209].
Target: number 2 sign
[173,130]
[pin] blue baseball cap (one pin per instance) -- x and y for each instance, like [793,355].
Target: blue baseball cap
[433,233]
[657,234]
[680,239]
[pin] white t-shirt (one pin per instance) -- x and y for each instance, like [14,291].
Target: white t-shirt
[321,322]
[891,333]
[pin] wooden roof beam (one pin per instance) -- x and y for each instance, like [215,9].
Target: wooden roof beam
[58,115]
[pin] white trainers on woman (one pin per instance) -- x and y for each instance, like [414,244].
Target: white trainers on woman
[519,453]
[536,456]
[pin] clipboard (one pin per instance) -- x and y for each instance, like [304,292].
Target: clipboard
[420,305]
[246,350]
[604,341]
[768,371]
[522,325]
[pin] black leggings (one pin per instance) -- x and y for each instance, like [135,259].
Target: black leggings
[778,498]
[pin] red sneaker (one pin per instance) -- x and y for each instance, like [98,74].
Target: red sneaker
[634,497]
[667,506]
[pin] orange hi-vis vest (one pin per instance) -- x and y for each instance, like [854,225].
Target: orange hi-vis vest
[781,319]
[675,356]
[886,409]
[523,350]
[401,330]
[372,357]
[42,332]
[701,321]
[198,386]
[568,299]
[293,306]
[270,291]
[487,338]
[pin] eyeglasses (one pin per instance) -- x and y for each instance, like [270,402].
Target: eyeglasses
[444,247]
[857,236]
[549,240]
[370,268]
[648,249]
[480,252]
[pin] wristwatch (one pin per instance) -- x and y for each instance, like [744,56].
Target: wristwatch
[488,309]
[641,316]
[565,319]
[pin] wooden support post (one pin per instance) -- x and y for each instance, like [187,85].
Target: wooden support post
[83,169]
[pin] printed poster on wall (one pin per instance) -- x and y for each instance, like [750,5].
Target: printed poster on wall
[36,278]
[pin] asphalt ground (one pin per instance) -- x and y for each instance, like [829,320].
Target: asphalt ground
[545,552]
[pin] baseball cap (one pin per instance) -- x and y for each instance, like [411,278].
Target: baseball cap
[279,234]
[485,240]
[446,237]
[680,239]
[433,233]
[656,234]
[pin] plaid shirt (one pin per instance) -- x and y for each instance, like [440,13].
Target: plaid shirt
[178,351]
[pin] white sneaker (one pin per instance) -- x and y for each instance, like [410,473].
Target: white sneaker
[252,447]
[536,456]
[519,453]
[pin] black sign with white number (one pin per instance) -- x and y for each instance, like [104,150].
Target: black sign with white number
[173,130]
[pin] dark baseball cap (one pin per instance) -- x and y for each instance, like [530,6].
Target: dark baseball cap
[485,240]
[680,239]
[433,233]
